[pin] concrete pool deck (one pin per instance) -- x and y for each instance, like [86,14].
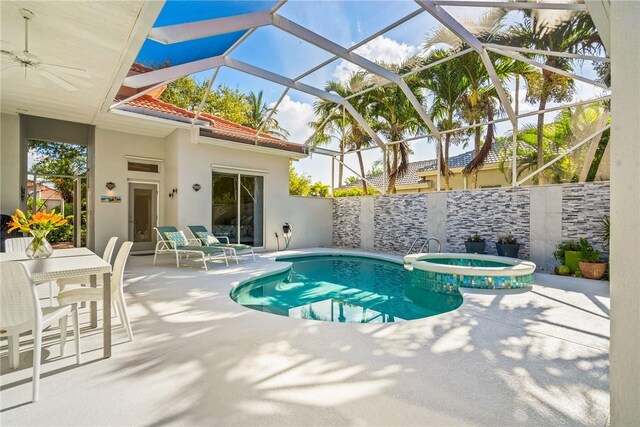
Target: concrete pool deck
[503,358]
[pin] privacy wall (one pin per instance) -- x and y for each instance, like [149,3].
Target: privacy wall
[539,217]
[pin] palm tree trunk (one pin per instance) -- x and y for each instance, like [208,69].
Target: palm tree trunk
[539,179]
[447,141]
[341,166]
[394,170]
[362,173]
[476,150]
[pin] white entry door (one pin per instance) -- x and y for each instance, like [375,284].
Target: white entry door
[143,216]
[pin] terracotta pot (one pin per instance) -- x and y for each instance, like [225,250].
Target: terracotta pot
[592,270]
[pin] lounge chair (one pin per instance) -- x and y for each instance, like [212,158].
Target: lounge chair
[172,241]
[209,239]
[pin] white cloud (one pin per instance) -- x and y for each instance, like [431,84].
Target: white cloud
[294,116]
[379,49]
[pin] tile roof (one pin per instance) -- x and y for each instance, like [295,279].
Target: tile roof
[218,127]
[411,177]
[461,160]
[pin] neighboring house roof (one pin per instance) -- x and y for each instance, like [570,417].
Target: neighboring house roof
[411,177]
[217,126]
[461,160]
[46,192]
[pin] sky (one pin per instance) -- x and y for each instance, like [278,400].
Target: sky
[347,23]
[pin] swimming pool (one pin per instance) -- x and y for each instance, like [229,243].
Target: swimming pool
[346,289]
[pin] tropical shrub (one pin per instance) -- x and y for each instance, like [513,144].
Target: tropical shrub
[476,238]
[353,192]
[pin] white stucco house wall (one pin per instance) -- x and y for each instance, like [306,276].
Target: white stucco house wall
[180,157]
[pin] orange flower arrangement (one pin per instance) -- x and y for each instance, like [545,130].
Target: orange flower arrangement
[40,221]
[39,225]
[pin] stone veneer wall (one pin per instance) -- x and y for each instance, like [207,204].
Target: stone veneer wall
[398,220]
[491,213]
[583,209]
[539,217]
[346,222]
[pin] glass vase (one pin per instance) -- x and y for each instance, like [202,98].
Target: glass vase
[39,246]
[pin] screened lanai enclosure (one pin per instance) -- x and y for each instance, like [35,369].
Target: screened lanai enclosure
[524,80]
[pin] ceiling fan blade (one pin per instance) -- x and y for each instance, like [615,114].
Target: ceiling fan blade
[72,71]
[35,79]
[58,80]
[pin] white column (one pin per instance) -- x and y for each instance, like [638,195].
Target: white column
[625,214]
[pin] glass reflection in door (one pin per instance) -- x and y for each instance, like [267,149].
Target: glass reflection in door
[251,210]
[238,207]
[224,221]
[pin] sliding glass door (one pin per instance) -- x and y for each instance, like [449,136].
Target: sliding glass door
[238,208]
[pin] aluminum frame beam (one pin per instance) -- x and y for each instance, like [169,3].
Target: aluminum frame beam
[145,79]
[210,27]
[459,30]
[341,52]
[522,58]
[548,52]
[302,87]
[513,5]
[206,93]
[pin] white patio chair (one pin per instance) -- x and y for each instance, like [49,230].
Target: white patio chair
[19,244]
[86,280]
[21,312]
[76,295]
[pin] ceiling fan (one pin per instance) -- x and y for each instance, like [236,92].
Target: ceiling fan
[34,69]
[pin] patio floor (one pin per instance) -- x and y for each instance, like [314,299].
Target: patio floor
[503,358]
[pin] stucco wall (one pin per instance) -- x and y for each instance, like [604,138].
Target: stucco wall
[625,212]
[112,219]
[9,164]
[539,217]
[191,163]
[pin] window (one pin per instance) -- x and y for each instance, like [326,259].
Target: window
[143,167]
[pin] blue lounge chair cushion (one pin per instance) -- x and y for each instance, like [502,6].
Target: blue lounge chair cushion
[177,238]
[207,238]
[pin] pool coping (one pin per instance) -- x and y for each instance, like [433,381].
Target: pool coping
[518,267]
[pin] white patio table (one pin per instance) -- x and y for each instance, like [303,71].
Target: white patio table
[67,263]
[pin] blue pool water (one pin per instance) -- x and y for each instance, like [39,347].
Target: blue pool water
[346,289]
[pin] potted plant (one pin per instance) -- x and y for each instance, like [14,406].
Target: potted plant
[508,246]
[563,270]
[568,253]
[590,264]
[475,244]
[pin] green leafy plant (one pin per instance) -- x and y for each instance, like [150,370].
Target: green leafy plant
[476,238]
[353,191]
[507,240]
[565,246]
[564,269]
[587,252]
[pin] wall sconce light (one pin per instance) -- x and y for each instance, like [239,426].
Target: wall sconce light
[196,187]
[110,185]
[173,192]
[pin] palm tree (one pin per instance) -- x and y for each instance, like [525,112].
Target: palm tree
[448,85]
[334,124]
[568,128]
[480,101]
[396,118]
[562,32]
[260,117]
